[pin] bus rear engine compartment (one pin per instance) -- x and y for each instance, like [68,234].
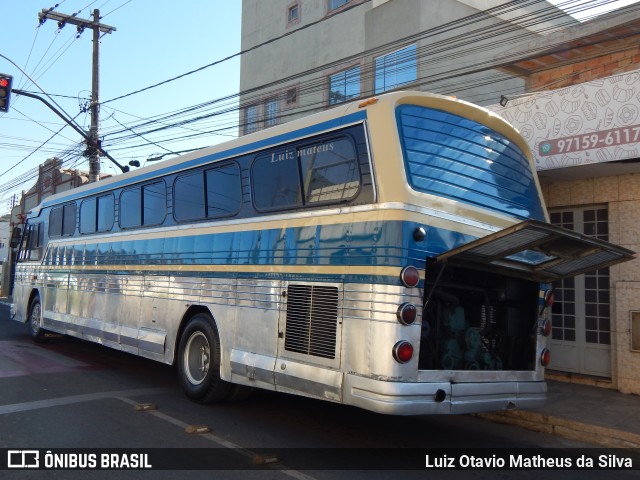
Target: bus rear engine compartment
[478,320]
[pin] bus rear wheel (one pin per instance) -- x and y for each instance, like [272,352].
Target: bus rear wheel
[34,323]
[199,361]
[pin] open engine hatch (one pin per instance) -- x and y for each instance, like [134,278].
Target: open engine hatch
[537,251]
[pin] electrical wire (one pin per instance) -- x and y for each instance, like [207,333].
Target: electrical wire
[216,114]
[117,8]
[245,93]
[230,57]
[36,150]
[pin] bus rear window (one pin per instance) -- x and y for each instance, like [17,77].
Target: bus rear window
[460,159]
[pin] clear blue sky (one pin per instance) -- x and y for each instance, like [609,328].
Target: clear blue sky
[154,41]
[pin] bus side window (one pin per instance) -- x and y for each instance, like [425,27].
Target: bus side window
[276,181]
[96,214]
[224,191]
[62,221]
[143,206]
[131,208]
[188,197]
[330,171]
[15,237]
[31,248]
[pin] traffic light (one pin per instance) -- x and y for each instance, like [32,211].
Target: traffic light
[5,91]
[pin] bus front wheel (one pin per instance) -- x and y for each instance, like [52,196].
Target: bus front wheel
[199,361]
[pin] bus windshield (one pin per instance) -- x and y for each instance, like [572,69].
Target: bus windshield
[458,158]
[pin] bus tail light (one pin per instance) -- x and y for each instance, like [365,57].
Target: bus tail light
[409,276]
[548,300]
[407,313]
[545,327]
[402,351]
[545,357]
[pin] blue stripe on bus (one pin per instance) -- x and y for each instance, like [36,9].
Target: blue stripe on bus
[384,244]
[233,152]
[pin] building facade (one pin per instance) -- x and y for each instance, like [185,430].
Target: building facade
[302,56]
[573,89]
[581,119]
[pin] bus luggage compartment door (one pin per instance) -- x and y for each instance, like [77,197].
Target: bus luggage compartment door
[537,251]
[482,299]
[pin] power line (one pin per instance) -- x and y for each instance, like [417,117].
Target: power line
[438,52]
[230,57]
[458,23]
[528,20]
[33,152]
[117,8]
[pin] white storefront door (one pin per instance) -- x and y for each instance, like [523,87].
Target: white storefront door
[581,314]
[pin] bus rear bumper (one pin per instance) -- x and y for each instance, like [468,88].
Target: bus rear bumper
[395,398]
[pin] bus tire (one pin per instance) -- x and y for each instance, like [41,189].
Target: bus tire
[199,361]
[34,322]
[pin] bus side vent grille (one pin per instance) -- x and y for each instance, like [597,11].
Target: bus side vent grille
[312,320]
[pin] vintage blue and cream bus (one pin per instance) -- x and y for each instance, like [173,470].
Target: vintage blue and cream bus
[392,254]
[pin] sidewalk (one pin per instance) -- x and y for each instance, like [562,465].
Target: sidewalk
[587,413]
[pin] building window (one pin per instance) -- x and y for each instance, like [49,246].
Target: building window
[344,86]
[396,69]
[292,96]
[271,112]
[293,14]
[333,4]
[251,119]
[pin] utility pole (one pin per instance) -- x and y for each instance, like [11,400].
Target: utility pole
[93,144]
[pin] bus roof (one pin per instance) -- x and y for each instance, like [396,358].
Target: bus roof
[330,119]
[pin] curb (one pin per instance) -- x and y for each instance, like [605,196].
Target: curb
[563,427]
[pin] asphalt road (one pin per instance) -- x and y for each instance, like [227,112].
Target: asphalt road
[73,395]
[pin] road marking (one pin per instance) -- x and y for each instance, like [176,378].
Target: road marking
[217,439]
[90,397]
[122,396]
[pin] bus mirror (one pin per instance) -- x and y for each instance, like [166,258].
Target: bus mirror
[15,237]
